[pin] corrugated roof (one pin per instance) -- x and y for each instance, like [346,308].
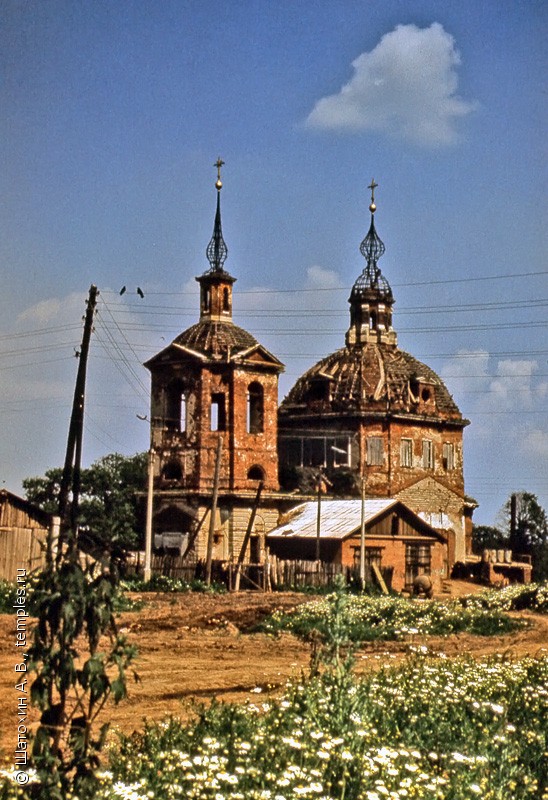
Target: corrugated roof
[338,518]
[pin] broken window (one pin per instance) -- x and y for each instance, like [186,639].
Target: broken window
[374,451]
[427,454]
[449,456]
[418,559]
[172,470]
[314,453]
[175,407]
[406,452]
[218,412]
[255,473]
[340,449]
[255,408]
[319,389]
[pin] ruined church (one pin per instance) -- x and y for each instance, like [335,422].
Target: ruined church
[368,419]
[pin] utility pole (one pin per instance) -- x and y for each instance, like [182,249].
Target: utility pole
[147,572]
[71,470]
[362,537]
[213,512]
[319,519]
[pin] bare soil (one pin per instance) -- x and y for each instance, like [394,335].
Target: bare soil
[196,647]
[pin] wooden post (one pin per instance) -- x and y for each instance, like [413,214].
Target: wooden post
[319,518]
[362,538]
[71,469]
[213,512]
[247,537]
[147,572]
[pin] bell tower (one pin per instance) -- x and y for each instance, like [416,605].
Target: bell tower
[215,385]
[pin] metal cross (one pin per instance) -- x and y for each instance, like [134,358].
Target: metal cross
[219,163]
[372,186]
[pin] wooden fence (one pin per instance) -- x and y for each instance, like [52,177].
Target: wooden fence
[275,574]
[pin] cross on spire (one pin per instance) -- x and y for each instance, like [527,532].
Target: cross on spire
[372,206]
[219,163]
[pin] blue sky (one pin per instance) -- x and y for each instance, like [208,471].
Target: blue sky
[112,116]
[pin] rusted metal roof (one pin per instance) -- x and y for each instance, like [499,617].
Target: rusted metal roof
[338,519]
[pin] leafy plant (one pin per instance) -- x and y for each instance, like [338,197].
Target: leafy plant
[80,662]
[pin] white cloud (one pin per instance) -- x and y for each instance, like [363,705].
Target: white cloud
[406,87]
[42,312]
[535,443]
[322,278]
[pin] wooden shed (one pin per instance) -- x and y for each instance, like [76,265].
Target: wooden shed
[23,533]
[395,538]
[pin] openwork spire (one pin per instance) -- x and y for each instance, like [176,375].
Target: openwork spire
[372,248]
[217,251]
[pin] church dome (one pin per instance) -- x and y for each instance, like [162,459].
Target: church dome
[216,338]
[371,374]
[371,378]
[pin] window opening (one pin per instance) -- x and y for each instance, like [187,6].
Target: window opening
[172,471]
[406,452]
[374,451]
[427,454]
[418,559]
[218,412]
[255,408]
[449,456]
[226,300]
[255,473]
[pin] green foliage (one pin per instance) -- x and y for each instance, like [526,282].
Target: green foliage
[530,535]
[80,662]
[8,593]
[487,537]
[432,730]
[164,583]
[388,618]
[108,503]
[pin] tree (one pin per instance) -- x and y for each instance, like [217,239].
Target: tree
[529,535]
[488,537]
[108,516]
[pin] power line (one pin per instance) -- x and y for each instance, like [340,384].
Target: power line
[345,288]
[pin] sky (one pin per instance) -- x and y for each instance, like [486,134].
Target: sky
[112,116]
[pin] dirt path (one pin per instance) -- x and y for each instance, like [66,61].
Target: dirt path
[196,647]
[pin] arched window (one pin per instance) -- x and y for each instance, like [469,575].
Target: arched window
[256,473]
[255,408]
[226,299]
[372,320]
[176,407]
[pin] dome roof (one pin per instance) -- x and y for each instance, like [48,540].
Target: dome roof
[370,378]
[216,338]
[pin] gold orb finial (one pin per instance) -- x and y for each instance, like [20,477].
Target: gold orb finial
[218,183]
[372,186]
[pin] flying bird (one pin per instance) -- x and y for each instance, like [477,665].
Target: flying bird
[140,292]
[122,290]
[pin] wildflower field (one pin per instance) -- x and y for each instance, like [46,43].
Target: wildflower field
[430,727]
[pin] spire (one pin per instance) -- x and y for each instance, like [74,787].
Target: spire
[372,248]
[217,251]
[371,299]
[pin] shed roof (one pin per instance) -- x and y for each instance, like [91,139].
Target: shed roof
[338,518]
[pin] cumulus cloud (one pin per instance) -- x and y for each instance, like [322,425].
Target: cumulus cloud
[322,278]
[535,443]
[405,87]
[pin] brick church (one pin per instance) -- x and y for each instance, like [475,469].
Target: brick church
[369,412]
